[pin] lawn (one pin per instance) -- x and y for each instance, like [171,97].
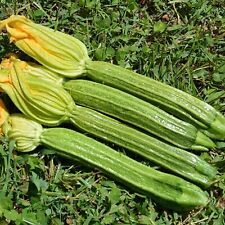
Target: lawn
[179,42]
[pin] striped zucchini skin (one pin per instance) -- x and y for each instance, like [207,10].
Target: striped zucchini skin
[137,112]
[178,161]
[170,99]
[168,190]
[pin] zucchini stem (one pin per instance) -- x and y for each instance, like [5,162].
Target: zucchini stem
[202,142]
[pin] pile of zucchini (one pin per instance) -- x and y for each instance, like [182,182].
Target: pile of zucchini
[160,123]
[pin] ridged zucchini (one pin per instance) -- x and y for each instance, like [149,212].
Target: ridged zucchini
[68,56]
[137,112]
[170,191]
[170,99]
[178,161]
[51,105]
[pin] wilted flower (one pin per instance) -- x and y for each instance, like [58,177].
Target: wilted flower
[38,99]
[32,70]
[57,51]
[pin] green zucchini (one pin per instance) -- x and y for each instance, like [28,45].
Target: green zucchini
[137,112]
[51,105]
[170,99]
[68,56]
[168,190]
[178,161]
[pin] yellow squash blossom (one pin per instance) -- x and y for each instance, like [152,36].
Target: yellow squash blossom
[32,70]
[57,51]
[40,100]
[3,115]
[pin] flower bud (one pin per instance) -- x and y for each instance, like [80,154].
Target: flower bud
[25,132]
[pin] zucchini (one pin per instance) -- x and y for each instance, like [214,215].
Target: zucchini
[168,190]
[170,99]
[68,56]
[51,105]
[178,161]
[137,112]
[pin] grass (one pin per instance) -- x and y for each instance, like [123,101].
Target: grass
[178,42]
